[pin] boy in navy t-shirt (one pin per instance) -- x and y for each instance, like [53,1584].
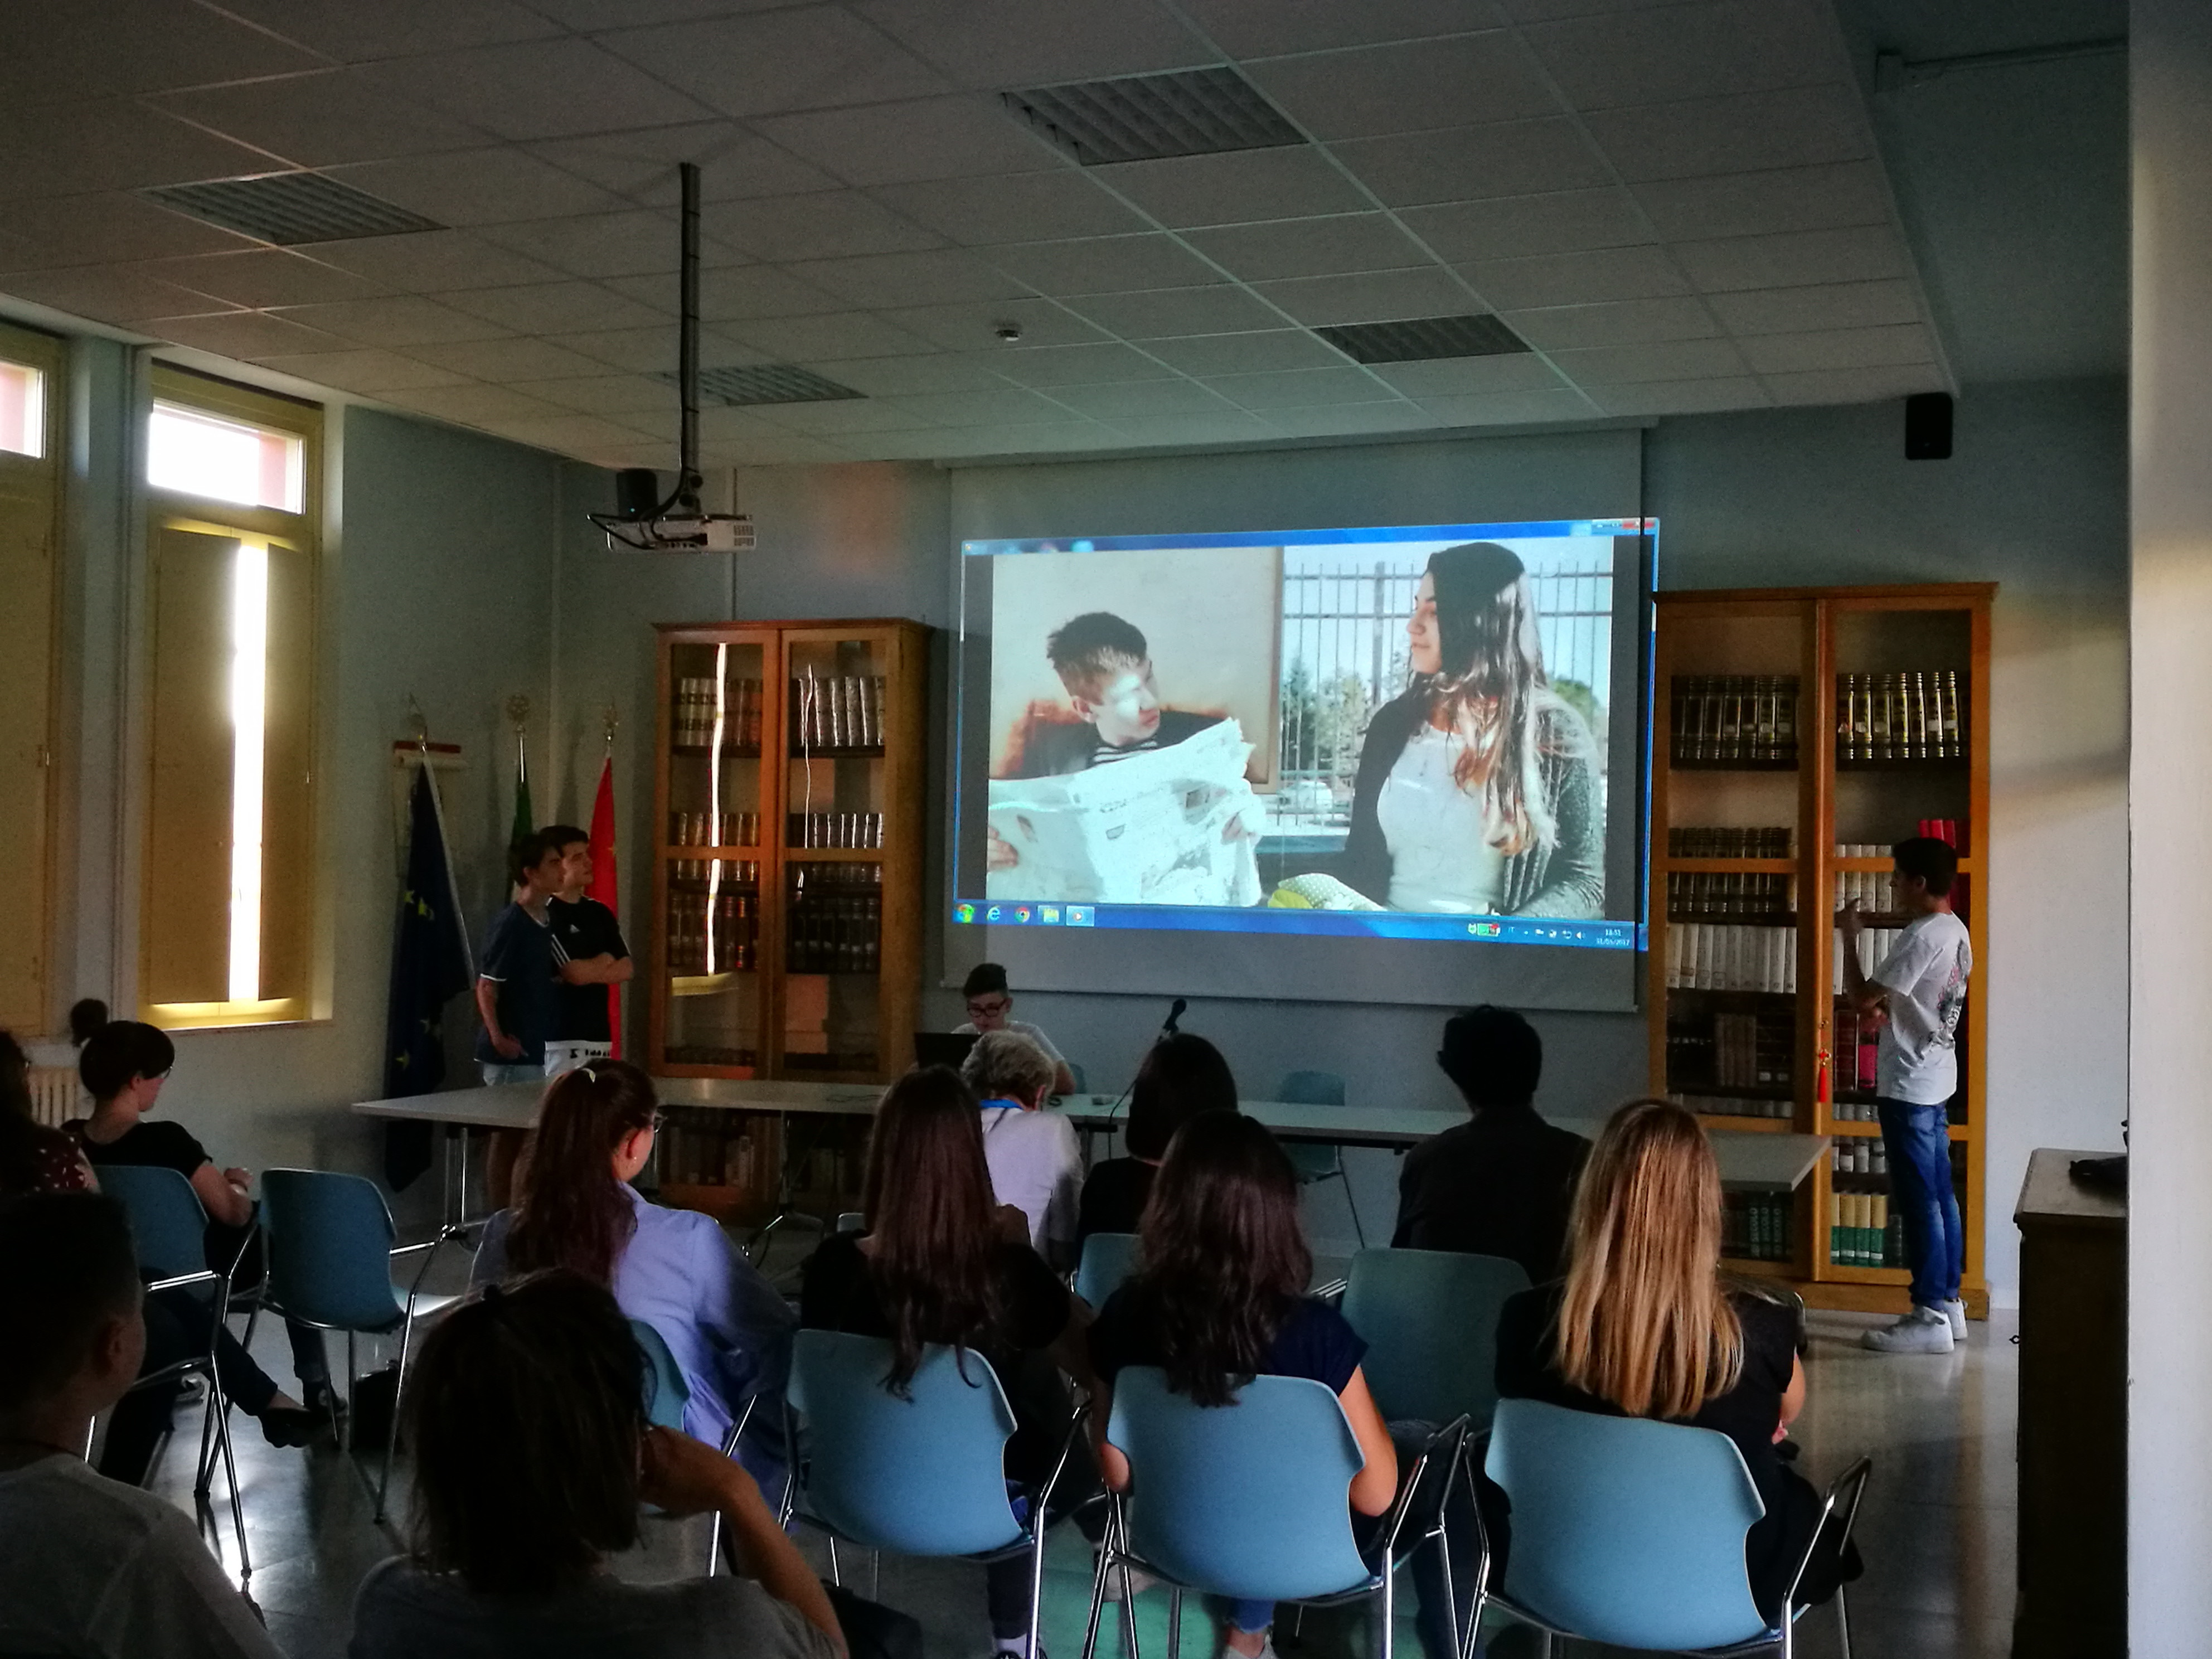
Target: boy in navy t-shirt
[589,955]
[515,991]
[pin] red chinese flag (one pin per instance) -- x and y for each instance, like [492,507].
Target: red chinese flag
[603,887]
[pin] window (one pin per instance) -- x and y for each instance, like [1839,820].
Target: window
[228,918]
[30,501]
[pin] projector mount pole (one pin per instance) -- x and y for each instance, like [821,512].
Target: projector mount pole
[687,364]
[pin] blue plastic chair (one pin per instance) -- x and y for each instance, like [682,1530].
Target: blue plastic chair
[330,1250]
[1106,1261]
[169,1229]
[666,1393]
[923,1475]
[1247,1500]
[1631,1532]
[1316,1161]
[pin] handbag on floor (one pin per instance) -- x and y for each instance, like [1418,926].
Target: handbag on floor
[375,1397]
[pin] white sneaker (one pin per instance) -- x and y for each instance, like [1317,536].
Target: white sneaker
[1924,1330]
[1955,1312]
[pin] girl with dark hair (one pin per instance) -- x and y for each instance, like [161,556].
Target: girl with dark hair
[1218,1298]
[943,1262]
[1478,789]
[531,1456]
[675,1269]
[1181,1076]
[34,1158]
[124,1064]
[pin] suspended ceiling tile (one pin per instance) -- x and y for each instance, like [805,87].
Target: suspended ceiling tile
[1470,376]
[244,334]
[1238,187]
[1267,28]
[1767,202]
[1555,279]
[1298,388]
[368,372]
[49,54]
[1259,352]
[1310,248]
[112,143]
[1855,385]
[1078,365]
[476,187]
[262,276]
[652,350]
[507,360]
[1624,322]
[436,262]
[734,163]
[1664,360]
[839,334]
[826,225]
[1345,419]
[400,320]
[630,244]
[355,33]
[1037,438]
[94,230]
[1017,43]
[733,292]
[1840,348]
[1376,297]
[805,58]
[321,120]
[1104,265]
[557,308]
[1510,408]
[1681,51]
[1024,207]
[1521,226]
[1509,158]
[1681,397]
[1802,310]
[564,434]
[109,294]
[553,88]
[1129,398]
[1861,253]
[973,327]
[1006,406]
[954,137]
[1804,127]
[893,377]
[601,393]
[1231,426]
[847,415]
[1164,313]
[933,276]
[1370,92]
[476,406]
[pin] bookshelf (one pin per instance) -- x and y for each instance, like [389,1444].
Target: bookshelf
[788,808]
[1799,732]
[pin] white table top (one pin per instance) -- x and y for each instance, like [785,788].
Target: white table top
[1761,1161]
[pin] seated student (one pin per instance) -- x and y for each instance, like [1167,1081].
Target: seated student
[675,1269]
[531,1456]
[942,1262]
[989,1005]
[1036,1164]
[89,1565]
[1181,1076]
[1501,1184]
[34,1158]
[123,1065]
[1220,1296]
[1643,1326]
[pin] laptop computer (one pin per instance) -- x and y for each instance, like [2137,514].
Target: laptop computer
[942,1047]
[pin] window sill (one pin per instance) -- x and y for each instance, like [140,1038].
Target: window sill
[227,1016]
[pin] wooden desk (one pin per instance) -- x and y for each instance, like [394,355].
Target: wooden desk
[2073,1414]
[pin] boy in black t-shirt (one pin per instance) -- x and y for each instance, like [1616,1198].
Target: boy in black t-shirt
[515,991]
[588,957]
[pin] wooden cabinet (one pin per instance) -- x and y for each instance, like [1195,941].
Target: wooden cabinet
[1797,733]
[788,875]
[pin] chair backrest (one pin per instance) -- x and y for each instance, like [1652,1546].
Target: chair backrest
[1105,1262]
[168,1225]
[924,1475]
[666,1393]
[1430,1321]
[1082,1083]
[330,1249]
[1625,1530]
[1312,1088]
[1247,1500]
[851,1221]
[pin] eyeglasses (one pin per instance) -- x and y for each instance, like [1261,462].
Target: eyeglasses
[989,1008]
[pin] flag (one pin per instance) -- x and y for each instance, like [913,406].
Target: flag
[603,887]
[430,966]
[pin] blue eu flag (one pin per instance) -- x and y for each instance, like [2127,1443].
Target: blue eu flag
[429,968]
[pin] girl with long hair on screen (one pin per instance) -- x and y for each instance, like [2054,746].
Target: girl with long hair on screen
[1478,789]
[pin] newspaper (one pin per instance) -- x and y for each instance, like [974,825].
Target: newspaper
[1178,825]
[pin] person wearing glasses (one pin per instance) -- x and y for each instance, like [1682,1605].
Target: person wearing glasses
[675,1270]
[990,1005]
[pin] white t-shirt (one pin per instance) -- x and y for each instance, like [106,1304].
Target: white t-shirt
[1925,972]
[1036,1167]
[1439,859]
[88,1566]
[1019,1028]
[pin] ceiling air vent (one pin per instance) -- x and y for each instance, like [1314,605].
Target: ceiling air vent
[289,209]
[1421,338]
[1147,118]
[766,383]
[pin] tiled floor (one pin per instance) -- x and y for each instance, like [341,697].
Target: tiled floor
[1936,1531]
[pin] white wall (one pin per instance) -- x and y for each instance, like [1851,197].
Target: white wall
[2170,1223]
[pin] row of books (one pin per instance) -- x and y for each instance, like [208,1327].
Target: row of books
[1703,956]
[1874,944]
[709,1054]
[1859,1155]
[693,720]
[1756,1225]
[1734,719]
[700,872]
[1869,887]
[1733,1050]
[1733,1105]
[1861,1232]
[1854,1048]
[1899,717]
[1694,895]
[713,933]
[714,829]
[841,711]
[834,830]
[837,921]
[707,1155]
[1721,841]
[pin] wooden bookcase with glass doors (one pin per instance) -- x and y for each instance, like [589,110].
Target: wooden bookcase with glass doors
[786,891]
[1798,733]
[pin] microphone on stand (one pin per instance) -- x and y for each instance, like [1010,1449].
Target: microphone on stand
[1170,1029]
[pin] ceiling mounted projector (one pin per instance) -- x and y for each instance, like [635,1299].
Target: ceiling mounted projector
[643,519]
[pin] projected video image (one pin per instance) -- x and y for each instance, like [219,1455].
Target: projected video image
[1413,721]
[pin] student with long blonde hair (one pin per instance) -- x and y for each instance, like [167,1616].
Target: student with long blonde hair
[1643,1325]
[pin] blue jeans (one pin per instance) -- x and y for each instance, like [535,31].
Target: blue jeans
[1920,1184]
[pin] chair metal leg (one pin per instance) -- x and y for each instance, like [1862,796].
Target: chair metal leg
[1097,1596]
[1031,1648]
[1345,1176]
[1175,1622]
[353,1376]
[220,1406]
[1437,1541]
[835,1577]
[1129,1611]
[1389,1596]
[392,1434]
[875,1576]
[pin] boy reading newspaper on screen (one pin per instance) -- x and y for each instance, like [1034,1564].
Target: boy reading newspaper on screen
[1131,802]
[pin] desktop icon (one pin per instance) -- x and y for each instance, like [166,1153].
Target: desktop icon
[963,912]
[1021,913]
[991,915]
[1082,915]
[1486,930]
[1048,915]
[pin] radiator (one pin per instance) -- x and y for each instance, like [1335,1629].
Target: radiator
[57,1095]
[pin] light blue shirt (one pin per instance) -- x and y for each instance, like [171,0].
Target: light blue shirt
[729,1331]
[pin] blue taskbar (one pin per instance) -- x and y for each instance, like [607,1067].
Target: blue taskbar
[1355,924]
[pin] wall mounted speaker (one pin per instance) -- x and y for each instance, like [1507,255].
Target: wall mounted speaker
[1928,427]
[637,489]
